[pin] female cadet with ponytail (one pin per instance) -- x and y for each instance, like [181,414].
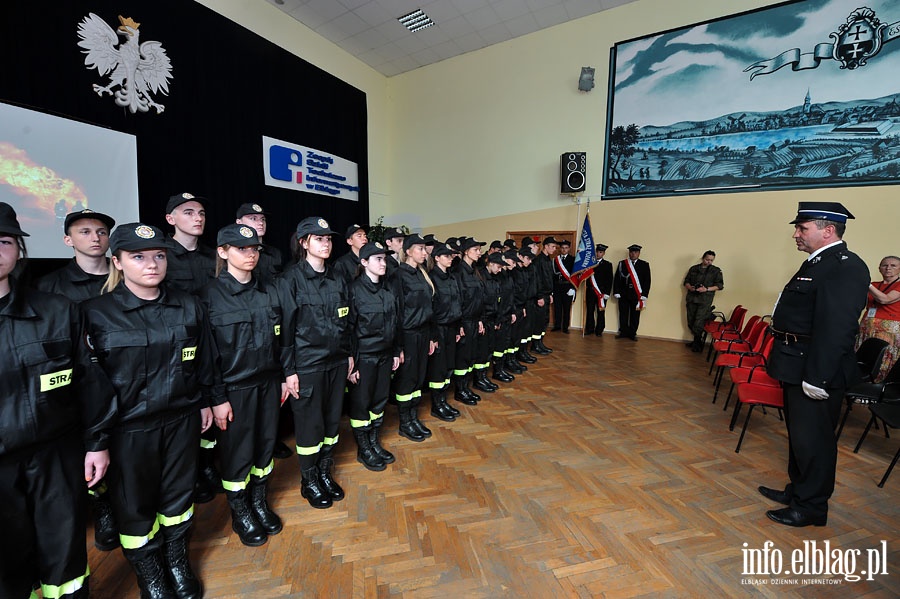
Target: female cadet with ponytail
[316,309]
[415,291]
[447,314]
[375,321]
[56,411]
[250,356]
[153,343]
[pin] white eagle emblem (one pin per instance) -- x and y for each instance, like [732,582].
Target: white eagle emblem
[137,69]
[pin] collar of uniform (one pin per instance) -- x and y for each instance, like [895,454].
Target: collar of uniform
[369,284]
[18,305]
[233,285]
[822,249]
[130,301]
[77,274]
[437,272]
[311,273]
[179,250]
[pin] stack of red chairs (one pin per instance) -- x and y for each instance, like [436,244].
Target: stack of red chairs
[759,390]
[740,374]
[751,356]
[734,341]
[734,323]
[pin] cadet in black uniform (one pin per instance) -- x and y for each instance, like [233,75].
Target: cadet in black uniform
[598,287]
[154,345]
[271,262]
[472,299]
[529,295]
[497,319]
[814,325]
[509,292]
[316,307]
[563,290]
[447,314]
[393,240]
[375,324]
[87,233]
[252,359]
[543,273]
[631,287]
[347,266]
[414,289]
[484,345]
[57,410]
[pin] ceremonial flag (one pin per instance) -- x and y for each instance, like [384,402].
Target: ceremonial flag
[586,256]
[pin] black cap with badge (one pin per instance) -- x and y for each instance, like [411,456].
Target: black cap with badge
[469,243]
[351,231]
[372,249]
[236,235]
[248,208]
[136,237]
[411,240]
[88,213]
[313,225]
[442,249]
[177,200]
[393,233]
[634,248]
[9,222]
[830,211]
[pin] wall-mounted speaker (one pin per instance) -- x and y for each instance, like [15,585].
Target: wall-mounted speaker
[572,172]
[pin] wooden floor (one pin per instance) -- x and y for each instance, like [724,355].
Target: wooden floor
[604,471]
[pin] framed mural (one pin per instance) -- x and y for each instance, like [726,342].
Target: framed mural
[799,94]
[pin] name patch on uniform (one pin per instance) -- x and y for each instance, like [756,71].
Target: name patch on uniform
[342,312]
[277,329]
[53,380]
[188,353]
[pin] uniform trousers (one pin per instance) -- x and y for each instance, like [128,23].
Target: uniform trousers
[42,506]
[317,412]
[527,324]
[484,347]
[502,339]
[595,319]
[812,448]
[409,378]
[246,446]
[152,479]
[442,362]
[698,313]
[629,317]
[562,308]
[466,348]
[367,398]
[540,320]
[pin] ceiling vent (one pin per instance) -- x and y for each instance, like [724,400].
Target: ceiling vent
[416,21]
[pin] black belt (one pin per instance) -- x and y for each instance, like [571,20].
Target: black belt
[788,338]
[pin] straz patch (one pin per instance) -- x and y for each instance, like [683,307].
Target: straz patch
[188,353]
[342,312]
[277,329]
[54,380]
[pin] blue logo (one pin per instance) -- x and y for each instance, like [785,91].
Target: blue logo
[284,162]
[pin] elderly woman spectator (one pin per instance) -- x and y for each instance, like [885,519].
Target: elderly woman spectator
[882,317]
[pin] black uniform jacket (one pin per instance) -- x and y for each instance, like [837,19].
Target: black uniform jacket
[270,264]
[415,296]
[603,274]
[623,285]
[48,385]
[507,295]
[347,267]
[157,354]
[72,282]
[491,312]
[245,321]
[316,313]
[374,317]
[446,301]
[472,288]
[543,276]
[520,281]
[560,283]
[821,304]
[189,270]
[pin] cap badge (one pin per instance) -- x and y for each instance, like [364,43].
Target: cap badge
[257,208]
[246,232]
[86,211]
[379,246]
[144,232]
[322,223]
[187,196]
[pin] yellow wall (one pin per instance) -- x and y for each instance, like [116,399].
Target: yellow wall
[471,145]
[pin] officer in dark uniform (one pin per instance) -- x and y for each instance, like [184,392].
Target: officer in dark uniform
[87,233]
[347,266]
[631,287]
[54,432]
[271,262]
[252,359]
[814,326]
[316,314]
[563,290]
[154,345]
[375,324]
[596,294]
[191,265]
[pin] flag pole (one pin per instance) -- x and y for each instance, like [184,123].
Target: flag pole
[583,299]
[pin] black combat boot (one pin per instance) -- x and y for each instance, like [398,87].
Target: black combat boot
[468,381]
[259,505]
[408,426]
[500,373]
[175,553]
[106,535]
[523,356]
[243,520]
[365,454]
[512,365]
[151,574]
[415,416]
[439,407]
[209,482]
[311,489]
[461,394]
[326,464]
[386,456]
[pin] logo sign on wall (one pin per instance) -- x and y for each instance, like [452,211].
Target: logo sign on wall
[291,166]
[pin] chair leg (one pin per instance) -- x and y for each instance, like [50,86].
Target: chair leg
[716,393]
[734,417]
[744,430]
[840,429]
[888,472]
[865,432]
[712,364]
[710,351]
[780,415]
[728,398]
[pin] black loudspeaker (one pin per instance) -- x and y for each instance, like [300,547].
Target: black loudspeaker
[572,172]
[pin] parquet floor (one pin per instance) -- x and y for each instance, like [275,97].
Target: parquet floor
[604,471]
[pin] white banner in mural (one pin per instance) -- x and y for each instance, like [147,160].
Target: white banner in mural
[291,166]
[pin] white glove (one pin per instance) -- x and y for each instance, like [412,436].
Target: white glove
[617,295]
[812,392]
[643,299]
[606,297]
[571,293]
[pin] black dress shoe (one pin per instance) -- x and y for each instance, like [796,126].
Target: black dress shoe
[588,332]
[775,495]
[791,517]
[621,337]
[566,331]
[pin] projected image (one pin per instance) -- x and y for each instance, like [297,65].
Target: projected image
[50,166]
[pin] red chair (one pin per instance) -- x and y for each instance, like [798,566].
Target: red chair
[740,374]
[754,357]
[732,324]
[738,342]
[759,390]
